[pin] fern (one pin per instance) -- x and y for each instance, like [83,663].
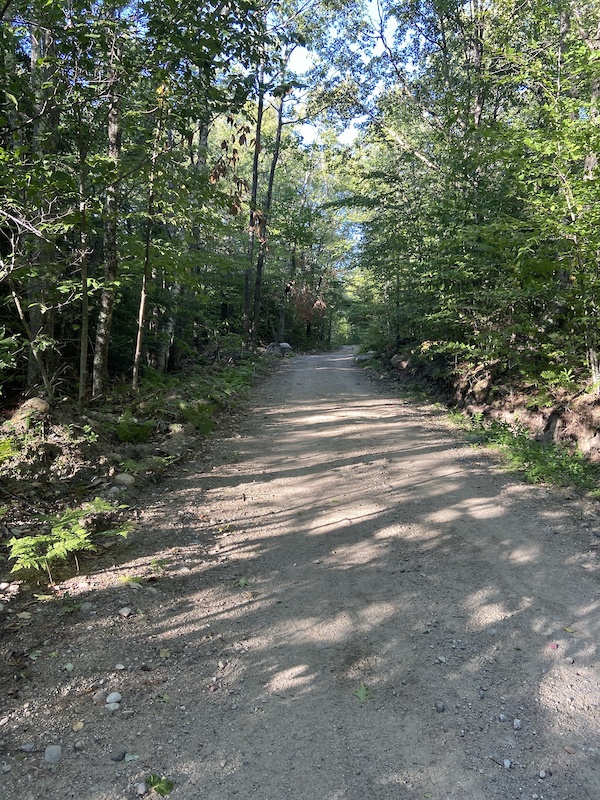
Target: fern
[68,536]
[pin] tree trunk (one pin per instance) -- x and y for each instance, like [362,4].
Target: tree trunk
[254,216]
[111,208]
[148,241]
[263,228]
[83,259]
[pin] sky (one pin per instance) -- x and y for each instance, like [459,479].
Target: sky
[302,59]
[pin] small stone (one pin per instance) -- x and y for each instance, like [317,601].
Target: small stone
[501,717]
[570,660]
[79,744]
[542,774]
[440,706]
[6,768]
[86,607]
[507,763]
[124,479]
[120,666]
[125,612]
[442,659]
[112,706]
[28,747]
[517,724]
[53,754]
[114,697]
[568,748]
[99,696]
[117,755]
[140,789]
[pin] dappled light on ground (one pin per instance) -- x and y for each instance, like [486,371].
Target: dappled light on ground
[355,605]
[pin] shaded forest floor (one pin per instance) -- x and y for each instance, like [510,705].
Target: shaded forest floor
[335,598]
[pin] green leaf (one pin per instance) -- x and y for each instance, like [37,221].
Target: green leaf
[362,694]
[160,784]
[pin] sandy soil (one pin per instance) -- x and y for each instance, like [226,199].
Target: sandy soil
[339,600]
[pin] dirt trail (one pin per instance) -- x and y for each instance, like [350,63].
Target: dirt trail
[343,540]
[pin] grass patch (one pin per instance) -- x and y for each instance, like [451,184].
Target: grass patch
[535,461]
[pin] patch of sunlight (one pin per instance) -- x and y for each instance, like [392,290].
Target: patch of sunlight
[483,509]
[484,611]
[353,555]
[524,555]
[341,520]
[444,516]
[292,678]
[340,627]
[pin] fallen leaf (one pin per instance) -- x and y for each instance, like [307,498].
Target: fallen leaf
[78,726]
[569,630]
[69,667]
[553,646]
[130,757]
[34,654]
[164,652]
[24,615]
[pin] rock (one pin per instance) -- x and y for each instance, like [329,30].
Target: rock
[28,747]
[120,666]
[86,607]
[6,768]
[517,724]
[440,706]
[285,347]
[274,349]
[125,612]
[542,774]
[118,755]
[99,696]
[140,789]
[124,479]
[365,357]
[112,706]
[114,697]
[53,754]
[501,717]
[507,763]
[79,744]
[35,405]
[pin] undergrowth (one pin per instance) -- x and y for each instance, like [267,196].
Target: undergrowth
[64,534]
[536,461]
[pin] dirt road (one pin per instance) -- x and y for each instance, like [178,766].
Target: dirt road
[351,605]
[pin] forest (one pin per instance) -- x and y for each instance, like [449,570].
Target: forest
[182,184]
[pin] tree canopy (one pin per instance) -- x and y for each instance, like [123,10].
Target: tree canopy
[176,182]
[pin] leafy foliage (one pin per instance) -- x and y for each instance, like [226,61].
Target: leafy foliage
[129,429]
[536,461]
[67,533]
[160,784]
